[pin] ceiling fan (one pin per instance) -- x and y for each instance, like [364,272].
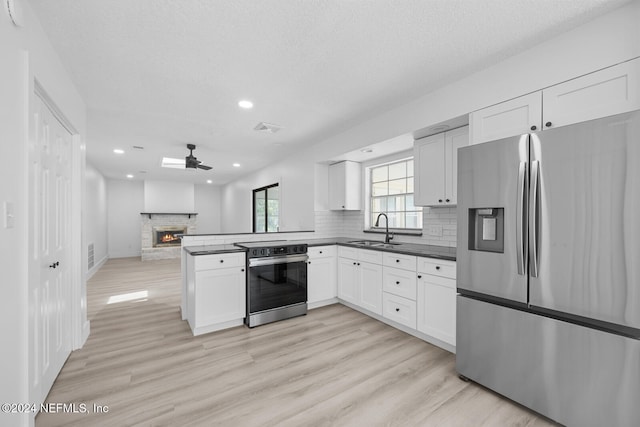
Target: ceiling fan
[191,162]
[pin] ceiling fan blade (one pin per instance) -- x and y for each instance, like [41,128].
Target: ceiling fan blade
[204,167]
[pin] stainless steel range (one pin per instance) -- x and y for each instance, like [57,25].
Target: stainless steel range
[276,281]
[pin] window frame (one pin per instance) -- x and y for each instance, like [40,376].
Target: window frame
[266,210]
[369,210]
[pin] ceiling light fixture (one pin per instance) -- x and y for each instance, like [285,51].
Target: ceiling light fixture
[209,181]
[129,176]
[236,165]
[118,151]
[247,105]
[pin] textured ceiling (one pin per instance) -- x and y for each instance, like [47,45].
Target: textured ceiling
[163,73]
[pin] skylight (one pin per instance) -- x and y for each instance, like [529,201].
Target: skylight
[168,162]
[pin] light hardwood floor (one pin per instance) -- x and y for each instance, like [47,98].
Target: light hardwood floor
[333,367]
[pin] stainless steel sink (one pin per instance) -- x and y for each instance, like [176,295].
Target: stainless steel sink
[373,243]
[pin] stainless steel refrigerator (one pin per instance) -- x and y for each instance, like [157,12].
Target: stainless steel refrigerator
[548,270]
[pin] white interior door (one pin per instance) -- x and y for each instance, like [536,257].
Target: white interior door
[50,270]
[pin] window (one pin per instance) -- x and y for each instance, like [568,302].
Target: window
[266,208]
[391,192]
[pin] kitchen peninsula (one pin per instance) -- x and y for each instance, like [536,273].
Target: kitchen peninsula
[407,285]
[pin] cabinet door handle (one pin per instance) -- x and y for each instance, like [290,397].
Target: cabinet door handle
[448,200]
[221,260]
[358,263]
[242,269]
[437,267]
[419,276]
[439,200]
[534,127]
[397,260]
[354,263]
[397,309]
[548,124]
[309,262]
[320,251]
[397,282]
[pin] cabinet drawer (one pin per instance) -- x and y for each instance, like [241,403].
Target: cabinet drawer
[437,267]
[224,260]
[374,257]
[399,282]
[406,262]
[321,251]
[398,309]
[347,252]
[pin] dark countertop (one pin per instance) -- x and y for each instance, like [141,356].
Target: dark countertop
[430,251]
[211,249]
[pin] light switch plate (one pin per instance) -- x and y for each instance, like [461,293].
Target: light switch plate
[9,218]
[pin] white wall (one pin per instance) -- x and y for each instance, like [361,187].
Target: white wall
[26,53]
[207,205]
[125,201]
[295,176]
[96,216]
[168,197]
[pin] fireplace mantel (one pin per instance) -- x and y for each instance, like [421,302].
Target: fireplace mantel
[189,214]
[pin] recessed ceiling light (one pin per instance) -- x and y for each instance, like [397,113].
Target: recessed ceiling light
[209,181]
[246,104]
[118,151]
[129,176]
[168,162]
[236,165]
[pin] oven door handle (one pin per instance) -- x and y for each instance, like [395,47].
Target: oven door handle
[257,262]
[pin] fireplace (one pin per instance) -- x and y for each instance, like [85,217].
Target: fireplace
[167,236]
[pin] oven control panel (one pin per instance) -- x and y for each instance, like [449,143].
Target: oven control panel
[277,251]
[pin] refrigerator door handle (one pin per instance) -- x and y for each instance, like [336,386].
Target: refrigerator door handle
[521,220]
[534,216]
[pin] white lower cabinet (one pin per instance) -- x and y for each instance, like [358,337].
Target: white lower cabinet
[359,281]
[399,309]
[216,291]
[322,286]
[417,293]
[437,299]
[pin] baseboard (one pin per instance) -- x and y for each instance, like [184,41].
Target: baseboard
[424,337]
[93,270]
[318,304]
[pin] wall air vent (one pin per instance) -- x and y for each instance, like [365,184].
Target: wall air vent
[267,127]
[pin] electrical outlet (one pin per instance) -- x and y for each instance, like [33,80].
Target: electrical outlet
[435,230]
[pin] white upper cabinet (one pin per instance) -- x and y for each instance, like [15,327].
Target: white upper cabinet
[603,93]
[513,117]
[345,186]
[436,167]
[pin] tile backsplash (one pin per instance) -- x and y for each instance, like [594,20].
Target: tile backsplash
[351,224]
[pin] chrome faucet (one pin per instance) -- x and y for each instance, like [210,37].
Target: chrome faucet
[387,237]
